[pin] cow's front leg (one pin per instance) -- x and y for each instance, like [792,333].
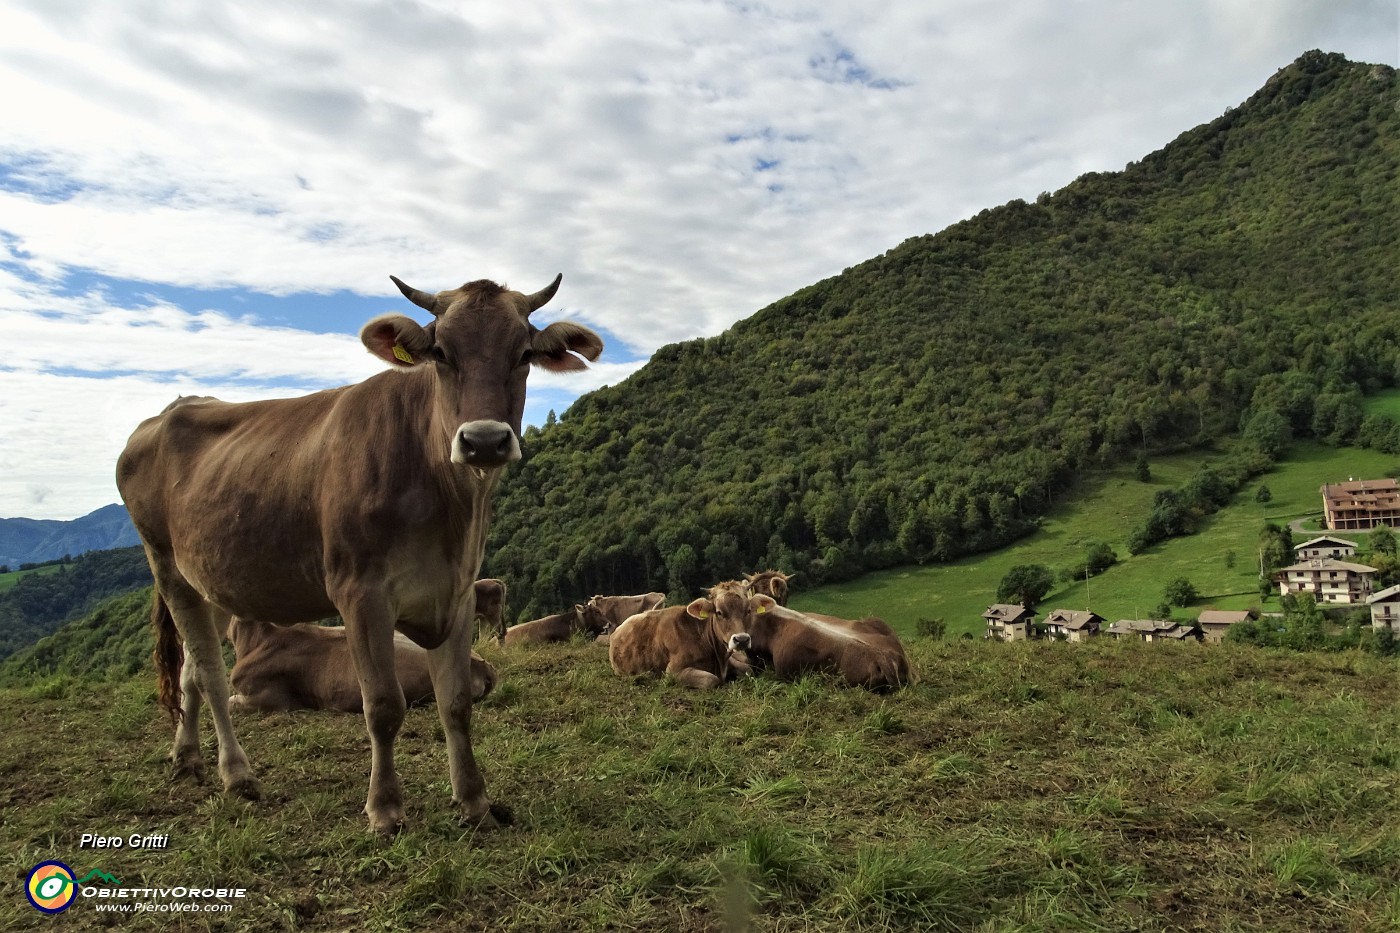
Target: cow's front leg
[694,677]
[369,627]
[450,667]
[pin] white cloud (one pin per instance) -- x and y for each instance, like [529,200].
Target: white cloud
[682,163]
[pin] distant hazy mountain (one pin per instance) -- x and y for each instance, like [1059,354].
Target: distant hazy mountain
[31,540]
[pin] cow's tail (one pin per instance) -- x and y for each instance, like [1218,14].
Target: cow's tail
[169,657]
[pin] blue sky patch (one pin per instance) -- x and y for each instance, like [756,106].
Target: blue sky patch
[839,65]
[37,178]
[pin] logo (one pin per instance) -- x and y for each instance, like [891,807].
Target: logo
[50,887]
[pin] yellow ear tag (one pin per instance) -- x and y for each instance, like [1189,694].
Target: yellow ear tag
[401,353]
[704,614]
[761,609]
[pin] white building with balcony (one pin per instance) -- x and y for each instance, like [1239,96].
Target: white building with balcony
[1334,582]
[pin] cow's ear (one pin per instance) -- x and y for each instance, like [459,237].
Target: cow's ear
[397,339]
[762,604]
[700,609]
[556,345]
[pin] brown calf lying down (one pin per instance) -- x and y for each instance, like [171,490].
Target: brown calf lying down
[580,620]
[308,666]
[694,643]
[865,653]
[618,609]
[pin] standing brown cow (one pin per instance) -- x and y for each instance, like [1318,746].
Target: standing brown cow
[491,605]
[371,501]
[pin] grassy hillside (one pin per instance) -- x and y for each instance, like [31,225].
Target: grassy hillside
[1385,403]
[37,603]
[1015,788]
[933,402]
[8,580]
[1106,508]
[113,640]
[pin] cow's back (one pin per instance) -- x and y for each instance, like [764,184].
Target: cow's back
[231,491]
[864,653]
[555,628]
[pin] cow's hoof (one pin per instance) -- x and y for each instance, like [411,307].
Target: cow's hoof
[386,829]
[245,787]
[496,816]
[187,769]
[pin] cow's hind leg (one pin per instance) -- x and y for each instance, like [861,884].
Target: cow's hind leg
[450,667]
[199,624]
[185,755]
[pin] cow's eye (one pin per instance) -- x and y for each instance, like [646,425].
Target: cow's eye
[527,357]
[438,354]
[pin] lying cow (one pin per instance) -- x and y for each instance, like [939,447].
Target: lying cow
[773,583]
[866,653]
[617,609]
[581,620]
[308,666]
[695,644]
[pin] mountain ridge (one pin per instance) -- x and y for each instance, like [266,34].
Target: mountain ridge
[35,540]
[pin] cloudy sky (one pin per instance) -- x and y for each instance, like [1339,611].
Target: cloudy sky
[209,196]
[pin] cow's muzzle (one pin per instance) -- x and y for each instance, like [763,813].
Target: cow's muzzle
[740,642]
[485,444]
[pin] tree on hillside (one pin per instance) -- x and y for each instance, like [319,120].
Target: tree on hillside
[1275,548]
[1382,541]
[1269,431]
[1026,584]
[1180,592]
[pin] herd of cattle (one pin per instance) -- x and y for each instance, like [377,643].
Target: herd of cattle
[743,628]
[373,502]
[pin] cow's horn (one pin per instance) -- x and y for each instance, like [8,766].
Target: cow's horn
[421,299]
[539,298]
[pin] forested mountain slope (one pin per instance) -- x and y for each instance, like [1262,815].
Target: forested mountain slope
[932,401]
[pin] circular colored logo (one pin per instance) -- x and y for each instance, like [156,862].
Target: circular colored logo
[50,887]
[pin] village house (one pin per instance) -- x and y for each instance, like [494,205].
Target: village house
[1153,630]
[1326,546]
[1215,623]
[1361,504]
[1072,625]
[1009,623]
[1329,581]
[1385,609]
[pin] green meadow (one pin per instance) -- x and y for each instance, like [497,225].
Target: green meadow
[8,580]
[1107,507]
[1037,787]
[1384,403]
